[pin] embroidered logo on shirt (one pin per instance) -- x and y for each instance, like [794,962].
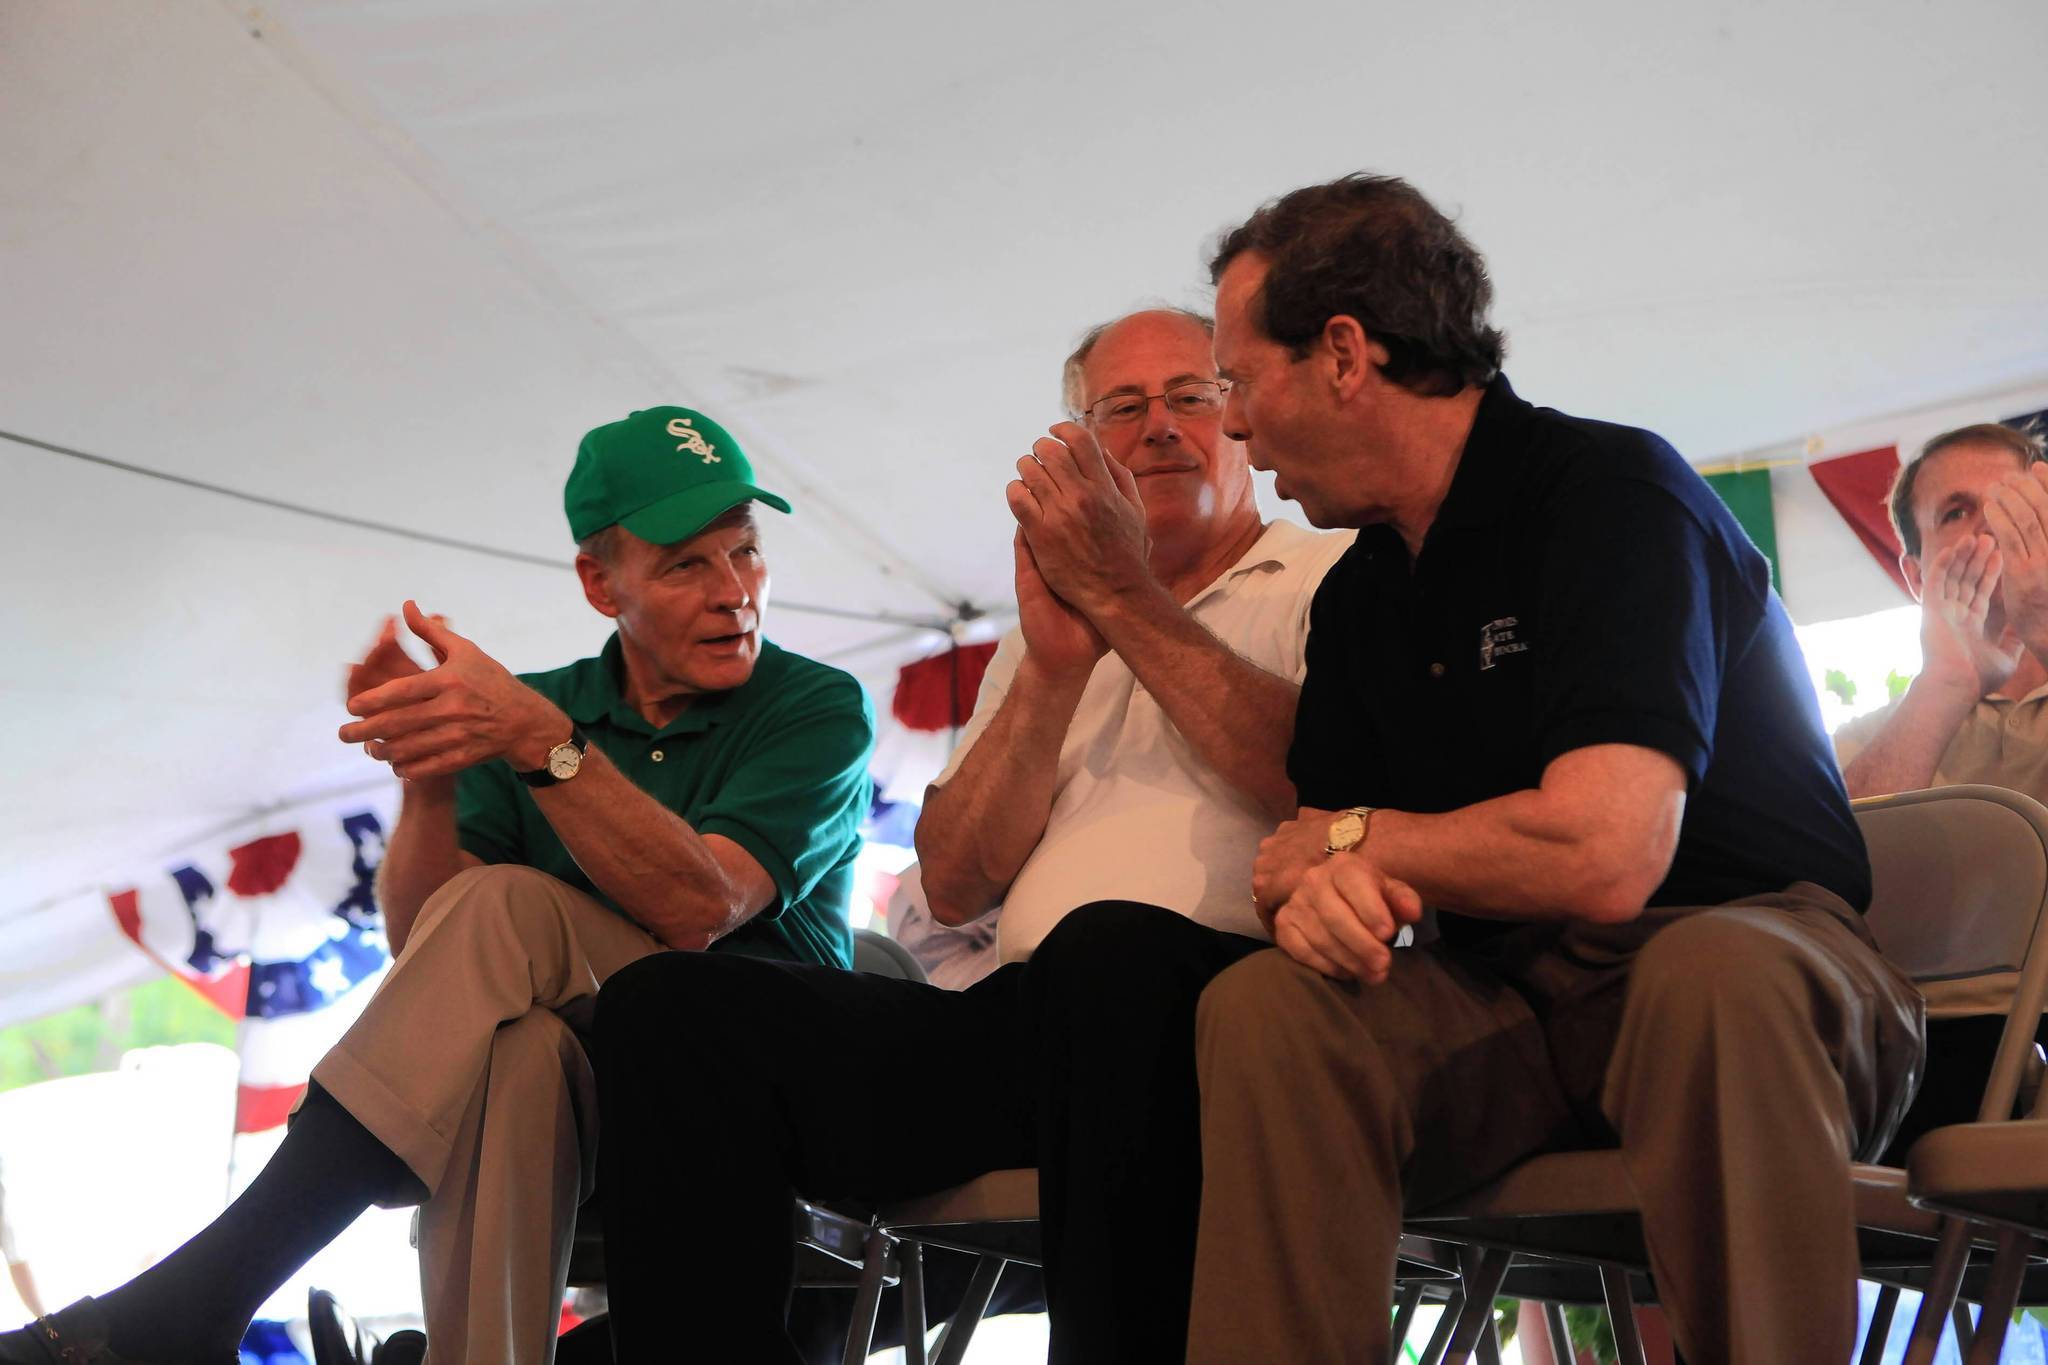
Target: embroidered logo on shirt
[1497,638]
[693,440]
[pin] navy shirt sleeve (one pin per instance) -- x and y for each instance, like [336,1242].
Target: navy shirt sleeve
[1634,624]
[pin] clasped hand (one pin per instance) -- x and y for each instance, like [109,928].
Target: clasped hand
[1082,519]
[1338,913]
[1343,917]
[1286,855]
[430,724]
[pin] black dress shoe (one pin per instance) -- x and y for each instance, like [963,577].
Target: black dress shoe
[337,1338]
[401,1348]
[70,1336]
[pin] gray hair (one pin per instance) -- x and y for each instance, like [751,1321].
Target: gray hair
[1072,393]
[601,545]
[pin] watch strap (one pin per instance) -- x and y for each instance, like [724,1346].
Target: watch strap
[541,776]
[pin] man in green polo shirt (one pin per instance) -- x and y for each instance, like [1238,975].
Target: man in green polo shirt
[692,787]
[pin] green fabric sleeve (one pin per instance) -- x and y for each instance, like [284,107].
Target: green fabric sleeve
[487,813]
[796,803]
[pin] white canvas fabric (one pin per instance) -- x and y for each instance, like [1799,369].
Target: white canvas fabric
[389,262]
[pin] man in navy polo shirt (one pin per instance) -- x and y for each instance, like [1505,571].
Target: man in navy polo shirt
[1551,696]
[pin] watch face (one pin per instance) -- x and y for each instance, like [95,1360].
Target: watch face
[1346,830]
[563,761]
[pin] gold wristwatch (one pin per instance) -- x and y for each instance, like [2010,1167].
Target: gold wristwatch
[1347,829]
[563,762]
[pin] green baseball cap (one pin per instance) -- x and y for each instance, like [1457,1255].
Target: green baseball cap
[662,473]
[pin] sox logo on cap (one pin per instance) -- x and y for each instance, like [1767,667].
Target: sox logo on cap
[693,440]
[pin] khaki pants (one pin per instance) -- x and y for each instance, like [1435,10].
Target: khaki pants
[1741,1055]
[463,1065]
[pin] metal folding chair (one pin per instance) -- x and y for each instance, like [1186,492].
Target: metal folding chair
[1961,876]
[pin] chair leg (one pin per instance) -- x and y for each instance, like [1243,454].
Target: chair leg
[1482,1272]
[1966,1331]
[1433,1352]
[981,1286]
[1621,1314]
[1405,1304]
[1489,1343]
[867,1302]
[910,1273]
[1951,1255]
[1560,1333]
[2001,1296]
[1880,1325]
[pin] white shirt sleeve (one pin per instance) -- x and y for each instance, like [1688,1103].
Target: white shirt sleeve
[995,685]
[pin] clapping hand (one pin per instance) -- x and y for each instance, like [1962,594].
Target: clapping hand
[430,724]
[1956,591]
[1056,636]
[1082,518]
[386,661]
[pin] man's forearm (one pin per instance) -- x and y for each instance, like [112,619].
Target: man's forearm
[665,875]
[25,1288]
[1501,860]
[1904,754]
[1238,718]
[1593,847]
[976,831]
[419,858]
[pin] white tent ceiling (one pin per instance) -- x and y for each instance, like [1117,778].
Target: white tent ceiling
[390,259]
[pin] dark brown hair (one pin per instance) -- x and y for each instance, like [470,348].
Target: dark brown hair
[2024,444]
[1372,248]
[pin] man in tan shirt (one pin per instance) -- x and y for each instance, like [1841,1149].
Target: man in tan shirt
[1971,511]
[1972,514]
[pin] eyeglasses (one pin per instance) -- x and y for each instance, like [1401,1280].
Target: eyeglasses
[1196,398]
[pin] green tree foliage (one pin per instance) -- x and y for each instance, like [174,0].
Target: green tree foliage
[93,1037]
[1591,1331]
[1839,683]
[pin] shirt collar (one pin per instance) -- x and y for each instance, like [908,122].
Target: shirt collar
[1483,488]
[1269,551]
[2036,695]
[597,693]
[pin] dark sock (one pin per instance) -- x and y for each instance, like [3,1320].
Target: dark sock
[198,1301]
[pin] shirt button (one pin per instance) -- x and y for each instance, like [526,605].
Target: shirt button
[1436,670]
[656,755]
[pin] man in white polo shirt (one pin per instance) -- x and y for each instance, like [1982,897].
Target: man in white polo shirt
[1129,744]
[1145,701]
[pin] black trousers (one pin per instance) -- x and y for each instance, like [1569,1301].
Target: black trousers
[728,1085]
[1114,987]
[819,1317]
